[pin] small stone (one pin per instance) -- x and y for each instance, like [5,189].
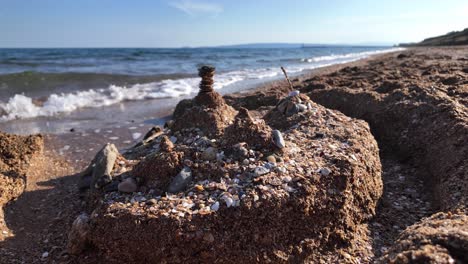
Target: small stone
[111,187]
[173,139]
[127,186]
[255,197]
[152,201]
[278,139]
[78,236]
[270,165]
[294,93]
[259,171]
[281,170]
[229,201]
[208,237]
[169,124]
[188,163]
[271,159]
[209,153]
[309,106]
[45,254]
[292,109]
[325,171]
[245,162]
[282,105]
[301,107]
[215,206]
[199,188]
[180,181]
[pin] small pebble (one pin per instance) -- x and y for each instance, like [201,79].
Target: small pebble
[127,186]
[278,139]
[259,171]
[301,107]
[271,159]
[209,153]
[294,93]
[45,254]
[215,206]
[325,171]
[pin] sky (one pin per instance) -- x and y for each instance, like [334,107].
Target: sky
[177,23]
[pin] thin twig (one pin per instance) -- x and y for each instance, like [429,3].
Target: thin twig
[287,78]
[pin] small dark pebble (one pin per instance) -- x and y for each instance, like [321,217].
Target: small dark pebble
[72,130]
[319,135]
[111,187]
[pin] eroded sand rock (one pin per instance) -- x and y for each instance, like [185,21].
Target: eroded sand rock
[16,153]
[441,238]
[414,113]
[244,205]
[256,133]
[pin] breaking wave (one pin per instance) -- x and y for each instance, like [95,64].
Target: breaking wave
[20,106]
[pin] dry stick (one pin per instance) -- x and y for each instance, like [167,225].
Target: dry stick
[287,78]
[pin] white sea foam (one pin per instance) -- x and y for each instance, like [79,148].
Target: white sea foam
[21,106]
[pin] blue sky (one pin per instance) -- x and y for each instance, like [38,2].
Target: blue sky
[175,23]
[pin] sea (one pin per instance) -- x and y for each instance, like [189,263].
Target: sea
[54,90]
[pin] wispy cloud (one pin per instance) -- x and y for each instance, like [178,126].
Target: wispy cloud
[194,8]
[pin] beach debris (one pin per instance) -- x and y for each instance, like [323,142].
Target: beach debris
[152,133]
[210,153]
[294,93]
[278,139]
[271,159]
[261,170]
[99,172]
[325,171]
[78,236]
[287,78]
[180,181]
[128,185]
[215,207]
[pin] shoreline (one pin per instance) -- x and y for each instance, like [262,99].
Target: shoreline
[75,143]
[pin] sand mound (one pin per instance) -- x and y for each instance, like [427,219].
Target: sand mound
[416,105]
[16,153]
[245,193]
[441,238]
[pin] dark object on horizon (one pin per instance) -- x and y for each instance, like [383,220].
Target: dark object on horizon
[450,39]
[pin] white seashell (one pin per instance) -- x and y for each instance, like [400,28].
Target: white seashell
[229,201]
[215,206]
[294,93]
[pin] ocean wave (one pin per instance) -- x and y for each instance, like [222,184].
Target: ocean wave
[20,106]
[354,56]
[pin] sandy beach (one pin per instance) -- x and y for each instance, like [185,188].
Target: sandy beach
[415,103]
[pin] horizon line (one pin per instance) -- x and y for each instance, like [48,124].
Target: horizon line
[364,44]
